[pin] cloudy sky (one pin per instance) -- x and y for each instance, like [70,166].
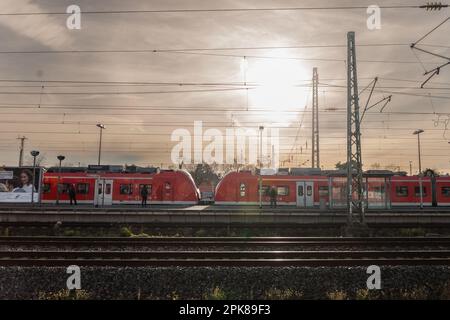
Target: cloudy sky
[54,94]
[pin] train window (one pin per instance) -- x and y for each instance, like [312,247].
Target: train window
[417,191]
[82,188]
[300,191]
[63,187]
[323,191]
[242,189]
[265,190]
[149,188]
[283,191]
[46,188]
[401,191]
[167,186]
[378,189]
[108,188]
[309,191]
[445,191]
[126,189]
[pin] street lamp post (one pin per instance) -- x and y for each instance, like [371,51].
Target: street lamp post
[101,126]
[60,158]
[418,132]
[261,129]
[34,153]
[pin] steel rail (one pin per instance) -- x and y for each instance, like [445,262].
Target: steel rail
[224,262]
[233,242]
[236,257]
[143,255]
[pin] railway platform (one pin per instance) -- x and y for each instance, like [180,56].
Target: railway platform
[210,216]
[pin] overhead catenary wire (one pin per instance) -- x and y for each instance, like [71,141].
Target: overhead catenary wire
[430,32]
[208,125]
[190,135]
[434,72]
[436,6]
[206,49]
[237,56]
[382,89]
[63,83]
[211,108]
[210,84]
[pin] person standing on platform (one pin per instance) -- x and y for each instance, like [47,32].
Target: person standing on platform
[273,197]
[144,195]
[72,194]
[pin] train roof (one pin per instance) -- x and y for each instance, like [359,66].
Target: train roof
[66,169]
[104,169]
[320,172]
[309,172]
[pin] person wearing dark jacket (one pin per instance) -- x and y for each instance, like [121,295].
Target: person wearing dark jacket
[72,195]
[273,197]
[144,195]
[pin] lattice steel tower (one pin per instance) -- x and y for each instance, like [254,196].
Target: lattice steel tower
[315,163]
[355,197]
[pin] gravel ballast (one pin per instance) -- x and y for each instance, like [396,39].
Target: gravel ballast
[399,282]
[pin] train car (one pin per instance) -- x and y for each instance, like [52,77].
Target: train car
[308,189]
[109,188]
[442,187]
[242,188]
[405,191]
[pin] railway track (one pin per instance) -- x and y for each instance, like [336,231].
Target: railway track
[391,251]
[225,241]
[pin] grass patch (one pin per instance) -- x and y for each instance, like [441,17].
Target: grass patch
[215,294]
[64,294]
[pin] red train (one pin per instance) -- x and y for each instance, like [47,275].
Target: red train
[314,188]
[106,185]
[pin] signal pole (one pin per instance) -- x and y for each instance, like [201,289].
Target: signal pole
[355,197]
[315,163]
[261,129]
[22,143]
[101,127]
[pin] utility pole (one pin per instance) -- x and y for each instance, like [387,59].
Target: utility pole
[22,143]
[315,161]
[355,197]
[34,154]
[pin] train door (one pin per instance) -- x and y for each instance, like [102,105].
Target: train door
[305,194]
[168,191]
[104,192]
